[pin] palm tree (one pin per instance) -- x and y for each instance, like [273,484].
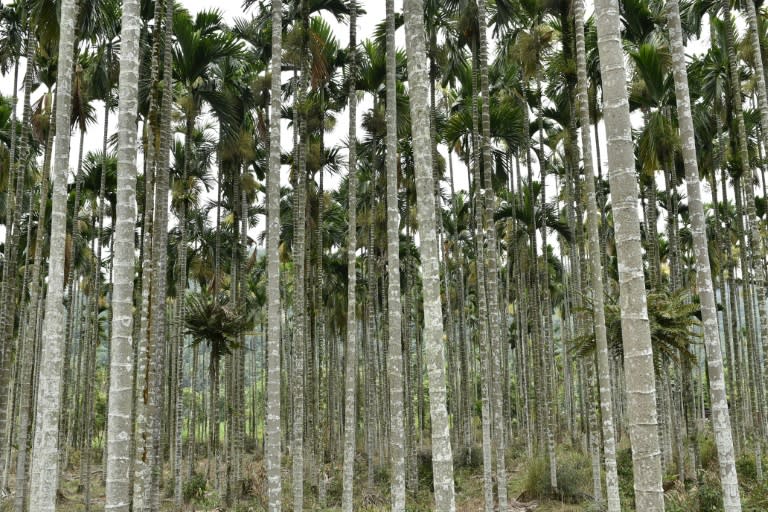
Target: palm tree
[491,260]
[211,320]
[350,355]
[745,203]
[12,27]
[596,271]
[152,279]
[44,481]
[638,360]
[201,42]
[760,79]
[299,320]
[119,428]
[721,420]
[758,249]
[18,161]
[442,457]
[394,311]
[273,407]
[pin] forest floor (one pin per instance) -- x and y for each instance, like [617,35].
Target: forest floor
[528,488]
[469,494]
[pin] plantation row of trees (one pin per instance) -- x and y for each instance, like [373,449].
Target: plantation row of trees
[232,301]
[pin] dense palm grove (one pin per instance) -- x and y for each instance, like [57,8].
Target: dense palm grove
[530,273]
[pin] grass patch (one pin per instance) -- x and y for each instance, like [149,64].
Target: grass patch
[574,479]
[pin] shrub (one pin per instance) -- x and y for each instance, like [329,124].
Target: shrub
[746,468]
[536,482]
[708,453]
[473,458]
[756,499]
[710,496]
[679,501]
[381,476]
[424,460]
[574,478]
[194,488]
[626,476]
[707,497]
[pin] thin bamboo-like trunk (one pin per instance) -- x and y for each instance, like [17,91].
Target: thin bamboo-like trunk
[483,335]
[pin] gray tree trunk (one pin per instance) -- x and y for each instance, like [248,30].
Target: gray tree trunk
[442,457]
[28,340]
[596,271]
[721,421]
[757,251]
[272,428]
[16,174]
[394,307]
[638,352]
[299,307]
[350,356]
[495,324]
[120,419]
[45,454]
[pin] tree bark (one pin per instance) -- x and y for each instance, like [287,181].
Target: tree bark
[350,356]
[394,307]
[638,352]
[45,456]
[120,418]
[595,267]
[272,428]
[491,256]
[721,421]
[442,457]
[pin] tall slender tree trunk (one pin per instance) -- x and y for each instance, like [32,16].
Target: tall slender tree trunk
[350,356]
[638,352]
[160,255]
[28,336]
[299,301]
[491,257]
[721,421]
[45,456]
[120,418]
[5,343]
[596,271]
[756,267]
[272,428]
[17,172]
[369,340]
[483,335]
[442,457]
[757,250]
[394,307]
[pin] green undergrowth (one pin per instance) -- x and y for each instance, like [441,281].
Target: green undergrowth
[528,481]
[574,479]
